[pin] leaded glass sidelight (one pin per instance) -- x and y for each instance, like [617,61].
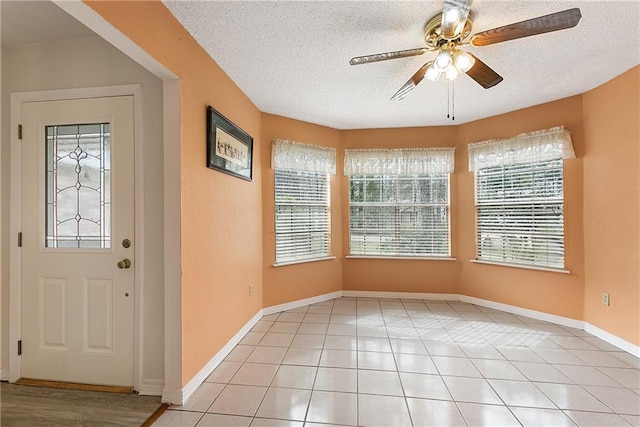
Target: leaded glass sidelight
[78,183]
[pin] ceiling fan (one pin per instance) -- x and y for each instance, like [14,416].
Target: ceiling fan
[448,31]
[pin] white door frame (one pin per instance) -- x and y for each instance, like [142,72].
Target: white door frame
[171,387]
[15,218]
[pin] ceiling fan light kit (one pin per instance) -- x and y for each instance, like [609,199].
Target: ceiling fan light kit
[450,63]
[446,33]
[443,60]
[463,61]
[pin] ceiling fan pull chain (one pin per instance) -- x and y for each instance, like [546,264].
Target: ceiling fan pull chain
[448,98]
[453,101]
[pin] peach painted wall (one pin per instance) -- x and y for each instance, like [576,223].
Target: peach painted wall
[549,292]
[294,282]
[227,223]
[612,205]
[392,275]
[221,215]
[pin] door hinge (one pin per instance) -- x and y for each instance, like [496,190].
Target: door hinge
[19,239]
[19,131]
[19,347]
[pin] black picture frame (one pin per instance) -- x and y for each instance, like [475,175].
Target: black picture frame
[229,148]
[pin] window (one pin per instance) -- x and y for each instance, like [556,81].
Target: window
[399,202]
[302,201]
[399,215]
[303,225]
[520,198]
[78,180]
[520,214]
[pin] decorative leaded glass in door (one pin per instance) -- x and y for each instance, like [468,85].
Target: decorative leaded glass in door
[78,186]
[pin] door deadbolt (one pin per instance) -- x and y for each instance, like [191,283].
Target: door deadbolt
[126,243]
[125,263]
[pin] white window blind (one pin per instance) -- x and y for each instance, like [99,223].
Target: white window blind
[401,215]
[520,214]
[399,202]
[302,200]
[520,198]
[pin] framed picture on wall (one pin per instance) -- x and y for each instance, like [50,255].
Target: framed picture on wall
[229,148]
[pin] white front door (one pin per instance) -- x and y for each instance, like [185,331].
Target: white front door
[77,176]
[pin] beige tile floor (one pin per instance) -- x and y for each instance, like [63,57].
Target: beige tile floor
[392,362]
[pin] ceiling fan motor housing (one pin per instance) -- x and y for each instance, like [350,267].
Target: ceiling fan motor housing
[433,33]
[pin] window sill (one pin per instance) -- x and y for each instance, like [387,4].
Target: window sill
[420,258]
[526,267]
[302,261]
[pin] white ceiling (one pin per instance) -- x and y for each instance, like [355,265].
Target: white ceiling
[291,58]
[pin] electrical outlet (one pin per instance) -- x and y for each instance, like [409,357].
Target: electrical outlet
[605,298]
[250,290]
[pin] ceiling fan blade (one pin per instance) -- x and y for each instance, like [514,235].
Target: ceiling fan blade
[454,16]
[387,55]
[411,83]
[543,24]
[483,74]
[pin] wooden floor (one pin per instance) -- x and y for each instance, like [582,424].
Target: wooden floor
[39,406]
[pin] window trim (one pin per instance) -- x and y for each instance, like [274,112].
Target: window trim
[303,261]
[522,266]
[403,257]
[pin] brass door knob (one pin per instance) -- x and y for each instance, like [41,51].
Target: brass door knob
[125,263]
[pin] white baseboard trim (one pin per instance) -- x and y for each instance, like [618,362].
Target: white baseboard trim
[4,375]
[301,302]
[151,387]
[179,397]
[612,339]
[538,315]
[402,295]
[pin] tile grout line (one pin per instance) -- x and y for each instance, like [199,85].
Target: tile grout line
[324,339]
[533,329]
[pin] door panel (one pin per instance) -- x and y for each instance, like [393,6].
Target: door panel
[98,315]
[77,176]
[53,313]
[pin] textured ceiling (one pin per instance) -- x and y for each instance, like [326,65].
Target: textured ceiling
[291,58]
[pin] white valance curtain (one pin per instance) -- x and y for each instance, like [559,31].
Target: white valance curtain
[538,146]
[297,156]
[404,161]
